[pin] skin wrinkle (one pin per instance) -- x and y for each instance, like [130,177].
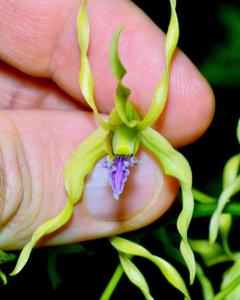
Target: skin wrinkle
[54,64]
[34,206]
[13,185]
[2,186]
[19,91]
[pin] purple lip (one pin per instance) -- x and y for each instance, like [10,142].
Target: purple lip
[119,171]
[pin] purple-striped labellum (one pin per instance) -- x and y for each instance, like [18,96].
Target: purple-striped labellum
[119,171]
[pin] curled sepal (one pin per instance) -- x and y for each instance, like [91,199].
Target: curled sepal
[169,272]
[124,108]
[161,91]
[85,77]
[78,166]
[175,164]
[82,161]
[224,198]
[44,229]
[135,275]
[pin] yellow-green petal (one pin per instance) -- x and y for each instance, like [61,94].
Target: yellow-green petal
[122,104]
[80,163]
[44,229]
[85,76]
[168,271]
[175,164]
[161,91]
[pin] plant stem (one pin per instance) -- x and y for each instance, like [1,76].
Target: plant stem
[107,293]
[206,210]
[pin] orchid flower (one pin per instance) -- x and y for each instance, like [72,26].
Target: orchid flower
[118,139]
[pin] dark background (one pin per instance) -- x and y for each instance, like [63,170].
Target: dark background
[210,36]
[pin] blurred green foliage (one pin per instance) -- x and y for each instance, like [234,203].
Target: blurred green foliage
[222,65]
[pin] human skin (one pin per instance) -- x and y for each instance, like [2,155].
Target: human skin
[44,117]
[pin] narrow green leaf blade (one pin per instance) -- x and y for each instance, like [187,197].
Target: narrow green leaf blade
[207,288]
[161,91]
[3,277]
[211,254]
[230,170]
[174,164]
[229,276]
[135,275]
[168,271]
[202,198]
[225,196]
[227,289]
[52,271]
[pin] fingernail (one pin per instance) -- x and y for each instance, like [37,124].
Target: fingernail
[140,189]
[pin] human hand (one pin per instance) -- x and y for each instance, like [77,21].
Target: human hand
[38,41]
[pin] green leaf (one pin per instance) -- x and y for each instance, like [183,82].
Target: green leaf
[207,289]
[225,221]
[225,196]
[168,271]
[85,77]
[3,277]
[135,275]
[123,106]
[202,198]
[174,164]
[238,131]
[231,170]
[80,163]
[228,289]
[161,91]
[210,253]
[6,257]
[229,276]
[52,271]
